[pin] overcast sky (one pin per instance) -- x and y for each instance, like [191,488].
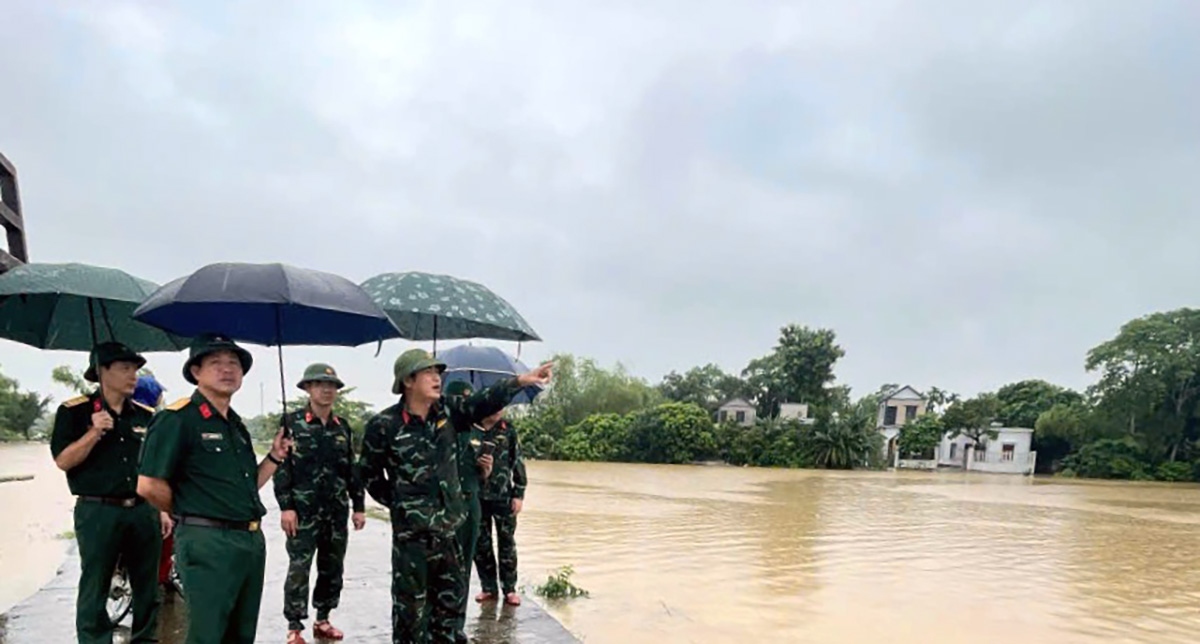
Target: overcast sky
[969,193]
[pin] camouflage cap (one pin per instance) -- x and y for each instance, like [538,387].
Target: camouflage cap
[411,362]
[457,388]
[320,372]
[207,343]
[106,353]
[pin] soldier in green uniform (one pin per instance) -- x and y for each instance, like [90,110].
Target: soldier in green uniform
[473,469]
[198,462]
[96,441]
[409,464]
[315,491]
[501,499]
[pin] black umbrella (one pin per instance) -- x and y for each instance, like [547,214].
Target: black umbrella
[270,305]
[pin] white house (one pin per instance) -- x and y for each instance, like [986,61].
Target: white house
[738,411]
[1010,452]
[795,411]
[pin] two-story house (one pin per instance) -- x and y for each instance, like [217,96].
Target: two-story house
[897,408]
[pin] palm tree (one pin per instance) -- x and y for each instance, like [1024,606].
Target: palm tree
[841,443]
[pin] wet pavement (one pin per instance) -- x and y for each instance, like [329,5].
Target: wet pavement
[365,613]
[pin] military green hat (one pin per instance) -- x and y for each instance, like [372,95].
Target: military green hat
[458,388]
[207,343]
[320,372]
[410,362]
[106,353]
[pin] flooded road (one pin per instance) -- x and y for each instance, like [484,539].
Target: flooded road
[713,554]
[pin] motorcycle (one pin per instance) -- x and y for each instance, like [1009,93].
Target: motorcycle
[120,593]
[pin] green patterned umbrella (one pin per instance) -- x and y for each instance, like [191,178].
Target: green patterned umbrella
[425,306]
[73,306]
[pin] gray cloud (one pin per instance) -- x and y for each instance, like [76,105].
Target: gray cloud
[968,194]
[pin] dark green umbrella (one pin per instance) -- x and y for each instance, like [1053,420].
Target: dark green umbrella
[426,306]
[73,306]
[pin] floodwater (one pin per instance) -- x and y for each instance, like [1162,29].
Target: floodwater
[716,554]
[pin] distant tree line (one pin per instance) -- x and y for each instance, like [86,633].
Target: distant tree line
[1138,421]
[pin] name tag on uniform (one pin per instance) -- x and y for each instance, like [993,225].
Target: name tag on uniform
[139,430]
[212,436]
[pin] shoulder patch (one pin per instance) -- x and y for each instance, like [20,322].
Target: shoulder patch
[141,406]
[178,404]
[75,402]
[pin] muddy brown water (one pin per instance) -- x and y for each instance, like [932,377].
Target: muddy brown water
[713,554]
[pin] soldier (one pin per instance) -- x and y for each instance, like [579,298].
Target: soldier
[501,499]
[198,461]
[409,464]
[96,441]
[315,491]
[473,468]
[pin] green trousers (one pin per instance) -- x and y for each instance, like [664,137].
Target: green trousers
[222,573]
[468,534]
[104,533]
[320,535]
[499,514]
[426,580]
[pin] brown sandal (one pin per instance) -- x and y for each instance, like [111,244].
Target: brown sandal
[296,637]
[485,597]
[326,631]
[512,599]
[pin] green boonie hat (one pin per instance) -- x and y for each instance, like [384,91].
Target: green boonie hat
[106,353]
[320,372]
[207,343]
[458,388]
[410,362]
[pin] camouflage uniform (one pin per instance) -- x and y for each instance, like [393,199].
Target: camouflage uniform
[506,483]
[409,464]
[469,476]
[319,483]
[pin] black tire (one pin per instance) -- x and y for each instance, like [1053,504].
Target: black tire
[174,578]
[120,595]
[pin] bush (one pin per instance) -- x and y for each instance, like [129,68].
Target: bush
[1174,471]
[1110,458]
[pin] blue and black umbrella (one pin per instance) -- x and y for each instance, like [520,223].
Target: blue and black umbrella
[269,305]
[483,367]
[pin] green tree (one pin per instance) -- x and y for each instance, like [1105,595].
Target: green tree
[1150,375]
[845,440]
[672,433]
[600,437]
[920,436]
[799,369]
[708,387]
[1022,402]
[581,388]
[71,379]
[20,410]
[938,399]
[973,418]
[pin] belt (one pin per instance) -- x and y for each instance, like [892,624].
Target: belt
[124,502]
[205,522]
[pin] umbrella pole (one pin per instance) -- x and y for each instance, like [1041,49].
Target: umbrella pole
[435,335]
[107,322]
[92,320]
[287,431]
